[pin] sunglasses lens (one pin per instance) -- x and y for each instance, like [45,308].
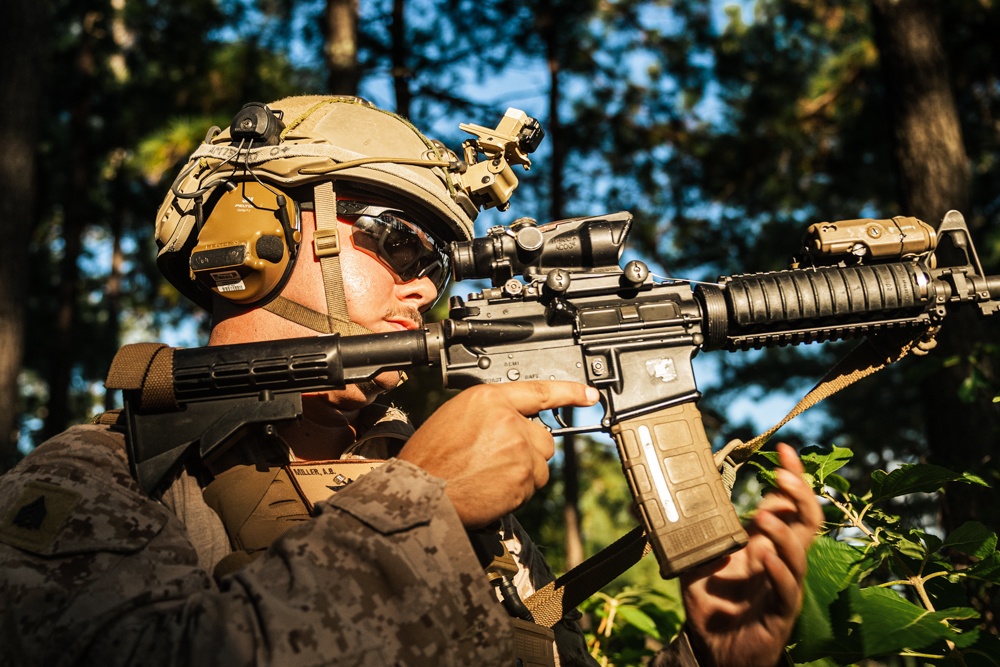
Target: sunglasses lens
[405,248]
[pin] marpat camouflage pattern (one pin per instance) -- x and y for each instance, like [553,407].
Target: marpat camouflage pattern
[96,573]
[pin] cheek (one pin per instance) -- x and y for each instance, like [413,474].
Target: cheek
[368,286]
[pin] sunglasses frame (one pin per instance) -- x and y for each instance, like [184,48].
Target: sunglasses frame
[379,222]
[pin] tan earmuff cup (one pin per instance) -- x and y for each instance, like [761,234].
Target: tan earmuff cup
[242,252]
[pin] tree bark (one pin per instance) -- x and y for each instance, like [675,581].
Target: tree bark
[934,177]
[21,25]
[113,287]
[933,168]
[76,213]
[340,28]
[549,25]
[400,59]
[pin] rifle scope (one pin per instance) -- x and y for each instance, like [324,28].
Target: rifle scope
[527,248]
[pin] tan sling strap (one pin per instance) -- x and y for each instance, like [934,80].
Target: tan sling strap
[550,603]
[145,366]
[867,358]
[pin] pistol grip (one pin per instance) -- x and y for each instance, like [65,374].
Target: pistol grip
[687,513]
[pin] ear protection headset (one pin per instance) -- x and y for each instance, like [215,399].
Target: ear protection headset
[246,248]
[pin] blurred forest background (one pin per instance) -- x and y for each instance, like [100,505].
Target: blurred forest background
[726,128]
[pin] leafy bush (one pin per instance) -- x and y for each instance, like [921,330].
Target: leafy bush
[877,590]
[632,624]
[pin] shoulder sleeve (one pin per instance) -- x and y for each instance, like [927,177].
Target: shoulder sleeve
[383,575]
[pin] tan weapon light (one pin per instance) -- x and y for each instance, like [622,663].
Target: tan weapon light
[870,238]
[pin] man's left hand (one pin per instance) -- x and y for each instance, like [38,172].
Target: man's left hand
[741,609]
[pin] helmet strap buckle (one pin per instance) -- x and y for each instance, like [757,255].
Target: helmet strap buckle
[326,243]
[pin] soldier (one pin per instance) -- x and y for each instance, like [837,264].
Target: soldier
[342,213]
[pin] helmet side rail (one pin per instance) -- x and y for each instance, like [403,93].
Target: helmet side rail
[561,308]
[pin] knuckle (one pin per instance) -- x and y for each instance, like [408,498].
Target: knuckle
[542,392]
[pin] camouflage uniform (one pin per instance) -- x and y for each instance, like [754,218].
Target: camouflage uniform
[101,574]
[95,572]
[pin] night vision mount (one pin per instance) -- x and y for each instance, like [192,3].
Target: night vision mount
[491,181]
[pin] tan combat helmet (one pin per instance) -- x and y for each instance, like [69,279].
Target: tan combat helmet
[230,223]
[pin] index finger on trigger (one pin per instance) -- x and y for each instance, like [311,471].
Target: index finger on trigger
[533,396]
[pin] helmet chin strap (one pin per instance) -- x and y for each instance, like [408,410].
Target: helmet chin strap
[326,243]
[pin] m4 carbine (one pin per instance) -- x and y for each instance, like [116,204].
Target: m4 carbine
[562,308]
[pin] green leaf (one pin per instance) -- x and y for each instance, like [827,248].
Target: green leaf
[821,463]
[907,547]
[987,569]
[766,476]
[972,538]
[838,483]
[840,640]
[877,517]
[639,619]
[916,478]
[819,466]
[833,566]
[890,623]
[931,541]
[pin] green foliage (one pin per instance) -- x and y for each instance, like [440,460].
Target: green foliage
[877,588]
[632,624]
[134,86]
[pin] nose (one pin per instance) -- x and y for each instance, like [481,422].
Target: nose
[419,292]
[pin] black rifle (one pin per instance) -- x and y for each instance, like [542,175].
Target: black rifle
[577,315]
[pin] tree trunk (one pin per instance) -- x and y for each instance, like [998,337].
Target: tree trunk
[21,25]
[933,168]
[113,286]
[75,217]
[340,28]
[400,59]
[934,176]
[554,134]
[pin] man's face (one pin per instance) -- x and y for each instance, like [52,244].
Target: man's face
[377,297]
[392,265]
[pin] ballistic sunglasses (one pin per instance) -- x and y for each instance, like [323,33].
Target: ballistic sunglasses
[402,246]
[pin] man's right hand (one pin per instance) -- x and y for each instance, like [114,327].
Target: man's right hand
[483,444]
